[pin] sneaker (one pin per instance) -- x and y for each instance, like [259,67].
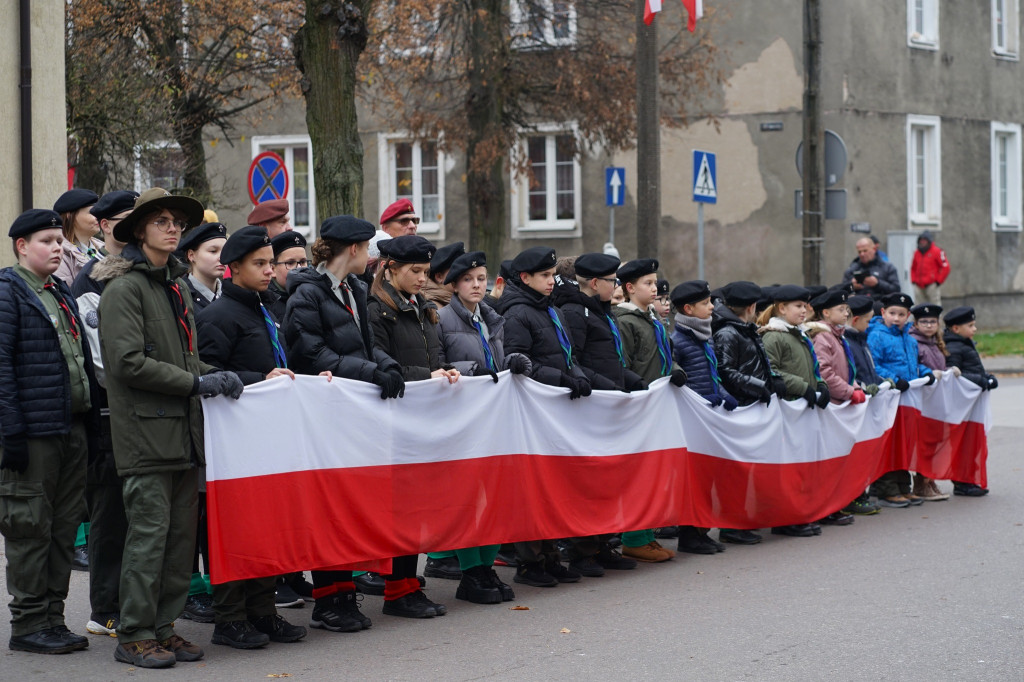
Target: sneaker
[105,624]
[861,507]
[738,537]
[651,553]
[506,559]
[184,651]
[199,607]
[587,567]
[969,489]
[446,569]
[667,533]
[145,653]
[278,629]
[80,560]
[534,575]
[560,573]
[914,500]
[370,583]
[815,527]
[410,606]
[239,634]
[797,531]
[894,501]
[612,560]
[287,597]
[837,519]
[334,613]
[507,593]
[933,493]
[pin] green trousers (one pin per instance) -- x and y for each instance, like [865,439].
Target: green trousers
[637,538]
[244,599]
[40,510]
[471,557]
[158,548]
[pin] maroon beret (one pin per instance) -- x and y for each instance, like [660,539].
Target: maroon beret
[400,207]
[267,211]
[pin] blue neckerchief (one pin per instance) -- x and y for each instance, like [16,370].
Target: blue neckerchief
[618,339]
[279,358]
[487,346]
[814,356]
[849,360]
[664,347]
[709,353]
[563,338]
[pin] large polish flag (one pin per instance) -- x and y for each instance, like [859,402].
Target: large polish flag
[309,474]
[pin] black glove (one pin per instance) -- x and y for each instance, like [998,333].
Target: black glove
[518,363]
[486,372]
[729,403]
[766,394]
[602,383]
[584,387]
[391,383]
[824,397]
[678,377]
[902,385]
[992,382]
[15,455]
[578,386]
[220,383]
[811,396]
[779,387]
[930,377]
[636,384]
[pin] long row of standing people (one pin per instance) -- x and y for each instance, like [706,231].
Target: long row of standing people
[107,348]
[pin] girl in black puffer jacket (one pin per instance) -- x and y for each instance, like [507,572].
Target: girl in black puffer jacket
[742,362]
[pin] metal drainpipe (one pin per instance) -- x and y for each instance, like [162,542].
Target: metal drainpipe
[25,86]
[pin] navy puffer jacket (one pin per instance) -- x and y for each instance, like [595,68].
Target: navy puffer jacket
[689,353]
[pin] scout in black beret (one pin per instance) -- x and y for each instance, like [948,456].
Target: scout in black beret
[635,269]
[534,259]
[112,203]
[815,290]
[198,235]
[717,295]
[898,299]
[859,305]
[741,294]
[287,240]
[690,292]
[924,311]
[829,299]
[74,199]
[590,265]
[663,287]
[444,257]
[505,269]
[409,248]
[463,264]
[959,315]
[348,229]
[34,220]
[790,292]
[243,242]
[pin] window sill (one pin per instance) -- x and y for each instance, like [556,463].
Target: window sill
[1006,56]
[554,230]
[1006,227]
[925,223]
[921,44]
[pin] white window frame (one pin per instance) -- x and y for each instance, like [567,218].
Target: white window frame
[1008,47]
[925,37]
[1011,175]
[520,22]
[262,143]
[931,217]
[142,180]
[430,226]
[522,226]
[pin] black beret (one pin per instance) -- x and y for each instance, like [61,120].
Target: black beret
[197,235]
[505,269]
[897,298]
[848,288]
[960,315]
[717,295]
[635,269]
[409,248]
[34,220]
[690,292]
[663,287]
[741,293]
[243,242]
[596,265]
[534,259]
[287,240]
[790,292]
[463,264]
[926,310]
[445,256]
[112,203]
[347,228]
[859,304]
[829,299]
[816,290]
[74,199]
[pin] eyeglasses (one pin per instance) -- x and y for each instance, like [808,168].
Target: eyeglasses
[408,219]
[927,323]
[613,280]
[292,264]
[164,224]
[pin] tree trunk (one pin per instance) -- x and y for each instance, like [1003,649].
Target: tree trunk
[648,138]
[90,169]
[190,139]
[484,106]
[327,50]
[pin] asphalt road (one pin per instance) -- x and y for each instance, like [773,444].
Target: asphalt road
[928,593]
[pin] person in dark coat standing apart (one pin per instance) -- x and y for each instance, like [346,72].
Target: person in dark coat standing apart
[289,253]
[869,274]
[47,433]
[237,332]
[327,329]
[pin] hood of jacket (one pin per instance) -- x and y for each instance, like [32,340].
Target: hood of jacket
[247,297]
[927,236]
[520,294]
[110,268]
[132,258]
[301,276]
[566,293]
[777,324]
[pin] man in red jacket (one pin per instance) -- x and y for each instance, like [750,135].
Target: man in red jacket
[928,270]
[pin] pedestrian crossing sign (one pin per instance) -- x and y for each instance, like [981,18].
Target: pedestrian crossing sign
[705,180]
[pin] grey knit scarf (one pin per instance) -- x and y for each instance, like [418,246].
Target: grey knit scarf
[700,328]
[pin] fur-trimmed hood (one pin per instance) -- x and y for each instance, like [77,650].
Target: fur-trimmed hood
[110,268]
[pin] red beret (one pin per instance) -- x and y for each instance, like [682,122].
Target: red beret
[400,207]
[267,211]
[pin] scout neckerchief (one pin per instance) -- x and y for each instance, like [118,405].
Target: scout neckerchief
[563,338]
[180,309]
[483,339]
[618,339]
[849,360]
[709,353]
[664,348]
[814,356]
[72,321]
[279,358]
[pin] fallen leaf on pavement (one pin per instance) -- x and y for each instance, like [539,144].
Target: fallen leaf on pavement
[565,631]
[279,675]
[519,608]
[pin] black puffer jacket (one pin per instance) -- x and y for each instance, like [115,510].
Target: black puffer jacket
[460,341]
[35,384]
[529,330]
[233,334]
[406,334]
[964,354]
[322,335]
[742,362]
[593,342]
[279,304]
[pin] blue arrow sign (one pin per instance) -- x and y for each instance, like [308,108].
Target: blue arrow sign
[705,181]
[614,186]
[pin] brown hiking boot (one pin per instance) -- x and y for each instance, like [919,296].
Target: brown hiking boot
[934,494]
[145,653]
[183,650]
[666,550]
[650,553]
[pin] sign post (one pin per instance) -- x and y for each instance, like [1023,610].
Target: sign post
[705,191]
[614,195]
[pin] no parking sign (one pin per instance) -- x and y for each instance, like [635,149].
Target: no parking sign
[268,178]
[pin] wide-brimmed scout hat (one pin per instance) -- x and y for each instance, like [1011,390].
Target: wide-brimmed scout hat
[152,200]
